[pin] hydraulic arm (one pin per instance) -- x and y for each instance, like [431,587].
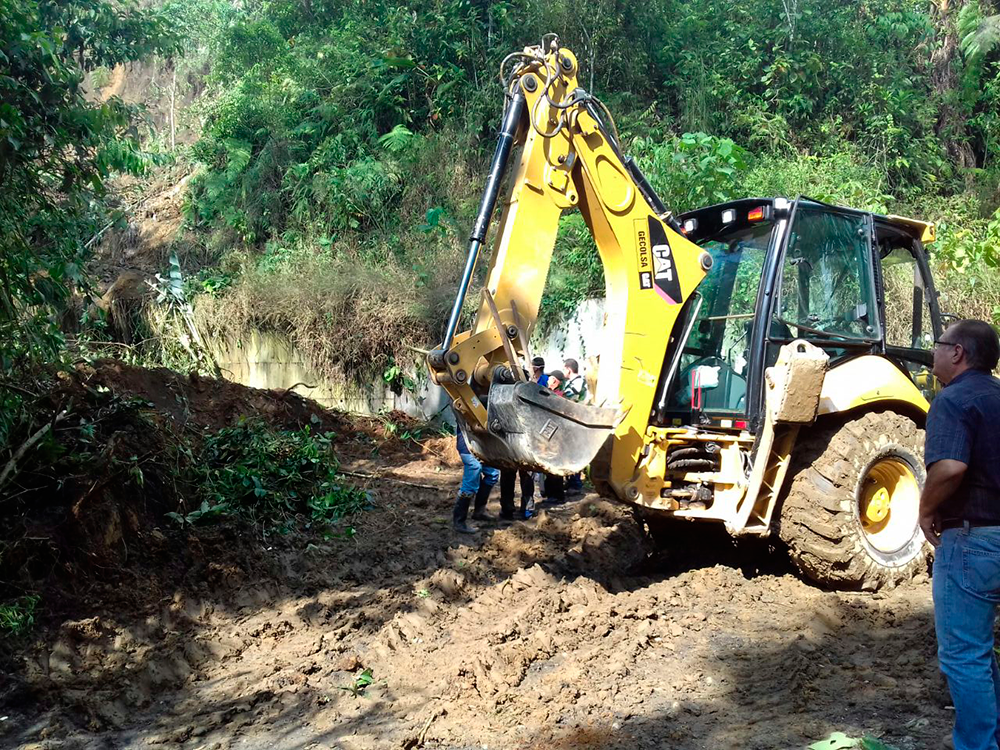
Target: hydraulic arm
[569,158]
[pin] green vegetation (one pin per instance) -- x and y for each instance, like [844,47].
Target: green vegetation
[361,683]
[17,616]
[270,477]
[57,150]
[335,153]
[340,147]
[344,144]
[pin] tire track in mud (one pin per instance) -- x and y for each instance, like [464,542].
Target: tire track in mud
[555,633]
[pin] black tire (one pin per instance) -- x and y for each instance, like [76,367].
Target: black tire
[834,469]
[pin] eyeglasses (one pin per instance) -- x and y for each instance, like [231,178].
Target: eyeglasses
[939,342]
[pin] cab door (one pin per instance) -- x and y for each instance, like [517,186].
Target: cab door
[822,288]
[909,307]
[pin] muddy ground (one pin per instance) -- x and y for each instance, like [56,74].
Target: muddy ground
[566,631]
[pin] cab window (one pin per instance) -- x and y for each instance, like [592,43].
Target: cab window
[826,289]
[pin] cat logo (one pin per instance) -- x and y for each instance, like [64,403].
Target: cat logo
[665,277]
[664,263]
[655,260]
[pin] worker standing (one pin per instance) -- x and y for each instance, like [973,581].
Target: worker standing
[477,482]
[960,515]
[575,389]
[555,381]
[538,371]
[507,481]
[553,486]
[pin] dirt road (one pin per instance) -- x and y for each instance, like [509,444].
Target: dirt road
[562,632]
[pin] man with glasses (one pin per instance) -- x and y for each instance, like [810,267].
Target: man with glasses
[960,516]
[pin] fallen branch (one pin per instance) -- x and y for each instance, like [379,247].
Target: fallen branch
[18,389]
[418,741]
[423,732]
[8,470]
[282,392]
[390,478]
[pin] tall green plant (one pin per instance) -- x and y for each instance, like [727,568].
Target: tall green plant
[693,170]
[269,476]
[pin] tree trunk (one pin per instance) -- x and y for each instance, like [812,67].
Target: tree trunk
[951,124]
[173,95]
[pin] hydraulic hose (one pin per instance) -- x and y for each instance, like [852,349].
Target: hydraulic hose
[498,168]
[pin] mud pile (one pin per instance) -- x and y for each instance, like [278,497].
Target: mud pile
[549,634]
[566,631]
[83,516]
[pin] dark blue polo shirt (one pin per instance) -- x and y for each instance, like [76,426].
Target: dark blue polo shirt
[964,425]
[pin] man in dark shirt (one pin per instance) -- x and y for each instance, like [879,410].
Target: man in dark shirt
[960,516]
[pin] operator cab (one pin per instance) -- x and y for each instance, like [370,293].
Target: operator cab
[848,281]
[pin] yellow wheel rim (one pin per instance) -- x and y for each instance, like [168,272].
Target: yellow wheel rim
[889,504]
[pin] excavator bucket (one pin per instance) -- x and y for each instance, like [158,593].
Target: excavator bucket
[531,427]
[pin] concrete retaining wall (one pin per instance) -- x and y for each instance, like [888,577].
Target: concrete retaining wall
[268,360]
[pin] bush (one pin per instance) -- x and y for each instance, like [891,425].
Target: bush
[270,476]
[965,259]
[351,316]
[693,170]
[840,178]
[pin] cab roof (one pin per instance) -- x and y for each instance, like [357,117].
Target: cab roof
[709,218]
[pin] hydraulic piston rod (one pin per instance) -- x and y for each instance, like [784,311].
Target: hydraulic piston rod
[498,168]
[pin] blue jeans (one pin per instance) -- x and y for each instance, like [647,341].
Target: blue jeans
[473,472]
[966,593]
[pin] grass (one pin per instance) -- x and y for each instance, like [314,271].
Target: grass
[17,616]
[348,315]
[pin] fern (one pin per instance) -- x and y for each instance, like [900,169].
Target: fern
[239,154]
[397,139]
[979,34]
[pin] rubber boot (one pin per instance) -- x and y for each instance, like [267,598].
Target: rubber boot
[574,485]
[482,497]
[461,512]
[507,479]
[528,507]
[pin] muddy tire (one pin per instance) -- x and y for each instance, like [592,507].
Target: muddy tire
[850,516]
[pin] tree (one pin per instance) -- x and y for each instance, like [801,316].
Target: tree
[57,150]
[945,79]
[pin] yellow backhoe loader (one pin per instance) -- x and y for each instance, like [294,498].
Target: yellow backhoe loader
[764,364]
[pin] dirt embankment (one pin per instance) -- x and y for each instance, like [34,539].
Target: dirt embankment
[561,632]
[108,453]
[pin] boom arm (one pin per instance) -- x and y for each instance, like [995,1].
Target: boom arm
[569,159]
